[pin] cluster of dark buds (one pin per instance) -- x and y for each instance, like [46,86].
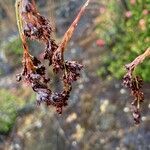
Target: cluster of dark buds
[33,26]
[37,27]
[134,83]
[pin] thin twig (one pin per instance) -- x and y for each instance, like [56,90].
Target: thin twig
[71,29]
[138,60]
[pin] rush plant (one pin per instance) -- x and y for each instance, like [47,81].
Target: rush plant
[33,26]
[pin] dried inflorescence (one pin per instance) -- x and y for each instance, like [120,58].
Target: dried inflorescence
[33,26]
[134,83]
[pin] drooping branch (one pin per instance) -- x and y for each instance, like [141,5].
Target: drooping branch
[134,83]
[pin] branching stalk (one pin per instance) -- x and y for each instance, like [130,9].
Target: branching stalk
[26,56]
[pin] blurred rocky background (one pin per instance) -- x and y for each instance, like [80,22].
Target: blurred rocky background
[110,34]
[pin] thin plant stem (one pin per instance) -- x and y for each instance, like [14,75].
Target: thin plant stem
[139,59]
[71,29]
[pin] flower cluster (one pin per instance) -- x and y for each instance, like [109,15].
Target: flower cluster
[33,26]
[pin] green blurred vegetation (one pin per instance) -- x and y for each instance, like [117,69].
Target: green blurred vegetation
[11,104]
[126,30]
[14,47]
[13,50]
[8,111]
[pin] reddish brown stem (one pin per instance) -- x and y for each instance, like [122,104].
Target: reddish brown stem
[138,60]
[71,29]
